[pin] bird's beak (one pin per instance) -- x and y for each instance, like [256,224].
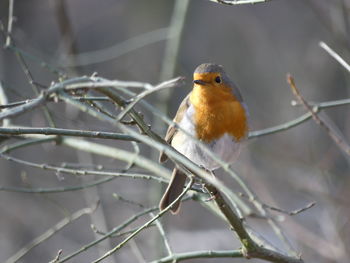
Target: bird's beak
[199,82]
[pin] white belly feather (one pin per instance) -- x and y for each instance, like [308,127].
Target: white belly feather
[225,148]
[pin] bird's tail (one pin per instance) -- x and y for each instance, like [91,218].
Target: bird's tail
[175,188]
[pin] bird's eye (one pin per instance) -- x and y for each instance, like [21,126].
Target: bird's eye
[218,79]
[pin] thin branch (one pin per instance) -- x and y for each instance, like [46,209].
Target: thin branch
[333,54]
[23,63]
[170,57]
[97,231]
[250,248]
[33,84]
[148,223]
[113,52]
[9,23]
[51,68]
[3,100]
[173,42]
[163,235]
[12,47]
[239,2]
[57,257]
[52,190]
[13,104]
[26,143]
[109,234]
[102,150]
[116,153]
[200,254]
[66,132]
[41,99]
[23,108]
[50,232]
[166,84]
[316,107]
[291,213]
[79,172]
[127,201]
[343,145]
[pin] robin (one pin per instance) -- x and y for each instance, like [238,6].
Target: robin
[214,113]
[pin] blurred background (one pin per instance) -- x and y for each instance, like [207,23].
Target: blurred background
[141,41]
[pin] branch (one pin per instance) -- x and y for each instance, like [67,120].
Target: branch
[169,61]
[54,190]
[81,172]
[23,108]
[250,248]
[200,254]
[113,52]
[291,213]
[50,232]
[95,148]
[239,2]
[66,132]
[333,54]
[166,84]
[147,224]
[316,107]
[41,99]
[336,138]
[9,23]
[109,234]
[114,231]
[116,153]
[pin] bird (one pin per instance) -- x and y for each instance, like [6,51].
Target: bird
[214,113]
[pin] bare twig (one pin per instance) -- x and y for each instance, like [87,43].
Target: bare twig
[65,132]
[291,213]
[13,104]
[94,228]
[170,55]
[41,99]
[9,23]
[239,2]
[250,248]
[52,190]
[336,138]
[99,149]
[127,201]
[121,244]
[109,234]
[166,84]
[33,84]
[49,233]
[57,257]
[116,153]
[3,100]
[23,108]
[173,42]
[333,54]
[200,254]
[117,50]
[316,107]
[163,235]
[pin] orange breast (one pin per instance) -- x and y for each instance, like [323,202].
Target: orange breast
[218,112]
